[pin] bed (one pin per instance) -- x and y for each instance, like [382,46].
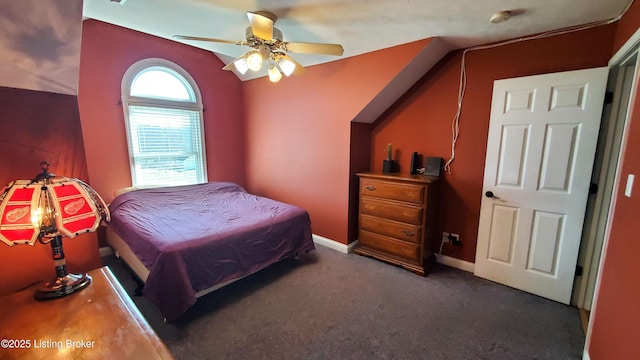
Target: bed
[186,241]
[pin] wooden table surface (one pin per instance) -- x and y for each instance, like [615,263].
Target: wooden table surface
[99,322]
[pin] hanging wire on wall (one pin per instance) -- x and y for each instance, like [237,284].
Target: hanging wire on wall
[455,124]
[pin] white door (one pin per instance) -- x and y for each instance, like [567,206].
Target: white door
[542,138]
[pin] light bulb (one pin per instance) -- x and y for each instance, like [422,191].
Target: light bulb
[241,65]
[36,217]
[287,66]
[254,61]
[274,73]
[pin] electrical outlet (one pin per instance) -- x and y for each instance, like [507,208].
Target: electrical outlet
[451,238]
[454,239]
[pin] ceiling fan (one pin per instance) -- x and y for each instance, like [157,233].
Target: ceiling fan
[269,48]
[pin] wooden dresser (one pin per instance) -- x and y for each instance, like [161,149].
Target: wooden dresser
[99,322]
[396,219]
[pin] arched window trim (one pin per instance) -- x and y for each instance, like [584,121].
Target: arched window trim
[129,100]
[137,67]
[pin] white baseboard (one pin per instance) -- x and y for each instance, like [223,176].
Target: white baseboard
[332,244]
[456,263]
[105,251]
[347,249]
[352,246]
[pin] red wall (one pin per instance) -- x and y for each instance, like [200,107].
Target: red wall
[39,126]
[616,315]
[298,132]
[421,121]
[107,52]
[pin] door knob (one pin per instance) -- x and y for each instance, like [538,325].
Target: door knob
[490,194]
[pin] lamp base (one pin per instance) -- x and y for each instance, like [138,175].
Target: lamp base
[62,286]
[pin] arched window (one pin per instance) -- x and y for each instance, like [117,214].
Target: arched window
[163,117]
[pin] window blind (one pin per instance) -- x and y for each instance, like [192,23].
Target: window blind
[166,146]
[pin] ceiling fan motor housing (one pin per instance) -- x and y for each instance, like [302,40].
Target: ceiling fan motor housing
[277,36]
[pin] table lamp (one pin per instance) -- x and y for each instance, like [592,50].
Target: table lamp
[46,209]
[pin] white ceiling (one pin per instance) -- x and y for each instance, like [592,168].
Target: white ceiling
[361,26]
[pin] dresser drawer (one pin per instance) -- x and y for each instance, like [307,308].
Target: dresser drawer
[394,229]
[390,245]
[392,211]
[394,191]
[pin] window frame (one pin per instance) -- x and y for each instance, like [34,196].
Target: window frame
[130,100]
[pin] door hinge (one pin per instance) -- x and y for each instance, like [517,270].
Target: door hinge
[578,270]
[608,97]
[593,188]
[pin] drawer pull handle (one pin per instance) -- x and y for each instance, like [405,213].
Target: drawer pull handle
[408,233]
[371,188]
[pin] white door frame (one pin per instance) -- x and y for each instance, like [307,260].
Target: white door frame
[621,78]
[632,44]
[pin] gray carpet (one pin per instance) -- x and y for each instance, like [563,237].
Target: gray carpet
[329,305]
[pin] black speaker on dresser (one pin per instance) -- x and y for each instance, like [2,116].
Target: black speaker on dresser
[432,166]
[415,163]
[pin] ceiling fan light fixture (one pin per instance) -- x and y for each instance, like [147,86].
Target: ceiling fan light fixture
[286,66]
[268,47]
[274,74]
[254,61]
[241,65]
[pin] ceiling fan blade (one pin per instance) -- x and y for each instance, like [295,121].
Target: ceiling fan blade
[184,37]
[315,48]
[262,24]
[230,65]
[233,66]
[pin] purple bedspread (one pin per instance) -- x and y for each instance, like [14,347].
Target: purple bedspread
[197,236]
